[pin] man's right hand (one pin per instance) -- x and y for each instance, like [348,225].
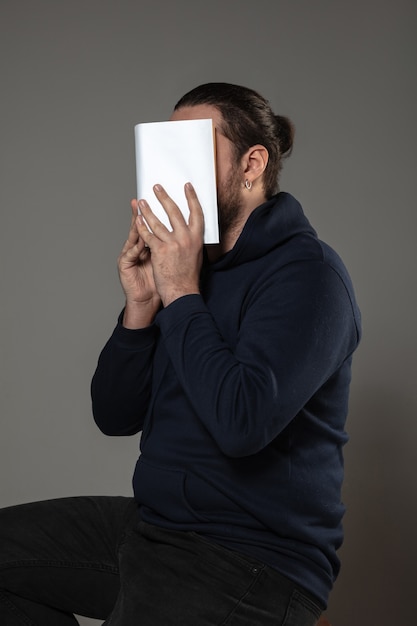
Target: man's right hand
[136,277]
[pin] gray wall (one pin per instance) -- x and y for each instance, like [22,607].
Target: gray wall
[76,76]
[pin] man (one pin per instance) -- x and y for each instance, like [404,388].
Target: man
[234,363]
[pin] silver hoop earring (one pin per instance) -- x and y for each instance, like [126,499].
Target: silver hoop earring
[248,184]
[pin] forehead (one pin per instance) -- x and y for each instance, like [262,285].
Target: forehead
[198,112]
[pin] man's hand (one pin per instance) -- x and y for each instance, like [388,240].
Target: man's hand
[176,255]
[136,276]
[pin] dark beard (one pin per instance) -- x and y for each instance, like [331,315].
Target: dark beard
[229,202]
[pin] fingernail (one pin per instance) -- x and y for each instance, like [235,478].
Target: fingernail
[189,186]
[141,205]
[137,203]
[158,188]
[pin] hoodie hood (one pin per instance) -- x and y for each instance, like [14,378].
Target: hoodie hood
[270,225]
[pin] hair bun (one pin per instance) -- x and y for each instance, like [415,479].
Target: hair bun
[285,133]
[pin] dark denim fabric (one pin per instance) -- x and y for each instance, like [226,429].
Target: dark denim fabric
[92,556]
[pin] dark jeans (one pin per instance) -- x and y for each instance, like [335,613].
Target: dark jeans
[92,556]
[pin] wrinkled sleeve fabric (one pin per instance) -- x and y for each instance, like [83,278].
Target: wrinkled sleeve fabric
[121,385]
[295,332]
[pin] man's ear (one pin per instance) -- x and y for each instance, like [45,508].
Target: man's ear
[254,162]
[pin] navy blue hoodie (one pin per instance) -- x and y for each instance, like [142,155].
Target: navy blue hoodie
[241,394]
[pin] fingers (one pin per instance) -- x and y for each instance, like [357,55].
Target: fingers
[135,209]
[196,220]
[175,216]
[134,254]
[148,223]
[133,238]
[145,234]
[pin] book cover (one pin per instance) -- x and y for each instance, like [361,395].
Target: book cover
[172,154]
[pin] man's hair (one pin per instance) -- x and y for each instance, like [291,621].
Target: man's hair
[247,120]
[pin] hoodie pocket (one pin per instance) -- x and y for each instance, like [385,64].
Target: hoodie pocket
[163,491]
[183,497]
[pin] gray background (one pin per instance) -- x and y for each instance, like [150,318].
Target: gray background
[75,78]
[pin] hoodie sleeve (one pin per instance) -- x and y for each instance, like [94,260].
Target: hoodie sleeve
[121,385]
[296,331]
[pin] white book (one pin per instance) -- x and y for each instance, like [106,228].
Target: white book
[172,154]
